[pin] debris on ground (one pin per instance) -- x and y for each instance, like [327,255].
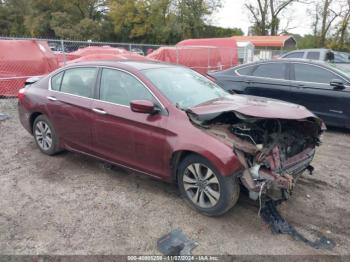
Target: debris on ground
[4,117]
[176,243]
[279,225]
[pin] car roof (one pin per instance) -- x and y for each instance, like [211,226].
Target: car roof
[310,50]
[284,60]
[130,64]
[288,60]
[301,60]
[281,60]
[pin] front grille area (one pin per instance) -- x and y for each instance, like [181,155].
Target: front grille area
[298,163]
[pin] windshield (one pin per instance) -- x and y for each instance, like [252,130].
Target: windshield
[184,87]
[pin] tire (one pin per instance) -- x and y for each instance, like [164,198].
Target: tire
[45,136]
[209,192]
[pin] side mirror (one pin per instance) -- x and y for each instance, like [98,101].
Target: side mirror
[144,107]
[337,84]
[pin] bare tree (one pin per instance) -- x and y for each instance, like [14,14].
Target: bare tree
[266,14]
[343,26]
[259,12]
[328,16]
[276,7]
[315,22]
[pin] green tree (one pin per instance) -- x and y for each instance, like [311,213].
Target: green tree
[38,19]
[73,19]
[12,17]
[192,16]
[161,21]
[215,31]
[142,21]
[306,41]
[151,21]
[123,14]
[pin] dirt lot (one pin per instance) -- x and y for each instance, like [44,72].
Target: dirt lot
[71,204]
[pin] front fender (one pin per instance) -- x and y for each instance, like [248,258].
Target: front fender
[225,161]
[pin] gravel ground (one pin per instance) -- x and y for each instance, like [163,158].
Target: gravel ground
[72,204]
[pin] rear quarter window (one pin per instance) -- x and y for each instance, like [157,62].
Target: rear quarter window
[245,71]
[56,81]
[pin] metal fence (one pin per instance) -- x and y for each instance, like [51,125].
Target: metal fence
[13,73]
[16,68]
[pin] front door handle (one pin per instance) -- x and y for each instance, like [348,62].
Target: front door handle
[99,111]
[52,98]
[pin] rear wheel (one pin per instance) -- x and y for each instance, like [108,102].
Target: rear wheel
[204,188]
[45,135]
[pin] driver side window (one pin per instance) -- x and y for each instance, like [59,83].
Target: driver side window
[121,88]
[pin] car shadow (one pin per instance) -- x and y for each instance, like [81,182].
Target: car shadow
[157,186]
[116,177]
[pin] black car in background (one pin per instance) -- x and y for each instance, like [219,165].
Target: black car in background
[321,87]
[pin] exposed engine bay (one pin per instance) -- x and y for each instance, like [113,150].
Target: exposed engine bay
[273,152]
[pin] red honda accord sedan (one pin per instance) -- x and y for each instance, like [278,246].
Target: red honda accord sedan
[172,123]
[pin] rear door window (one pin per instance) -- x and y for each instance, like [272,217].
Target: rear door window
[121,88]
[313,55]
[79,81]
[295,55]
[271,70]
[314,74]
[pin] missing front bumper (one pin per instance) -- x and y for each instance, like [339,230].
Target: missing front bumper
[278,183]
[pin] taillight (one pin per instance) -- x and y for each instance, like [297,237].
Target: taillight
[21,94]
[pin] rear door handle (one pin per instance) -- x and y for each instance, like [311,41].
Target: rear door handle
[52,98]
[99,111]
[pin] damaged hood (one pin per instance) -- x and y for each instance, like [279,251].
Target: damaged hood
[252,106]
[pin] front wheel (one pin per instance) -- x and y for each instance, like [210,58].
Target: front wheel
[204,188]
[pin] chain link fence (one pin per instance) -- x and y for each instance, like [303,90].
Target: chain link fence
[23,58]
[20,60]
[67,47]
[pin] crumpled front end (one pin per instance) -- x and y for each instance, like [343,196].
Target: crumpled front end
[273,152]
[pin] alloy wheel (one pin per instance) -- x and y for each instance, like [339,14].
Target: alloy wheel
[43,135]
[201,185]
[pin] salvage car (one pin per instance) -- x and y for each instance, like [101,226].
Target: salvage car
[173,124]
[322,87]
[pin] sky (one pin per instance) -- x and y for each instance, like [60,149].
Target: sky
[234,14]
